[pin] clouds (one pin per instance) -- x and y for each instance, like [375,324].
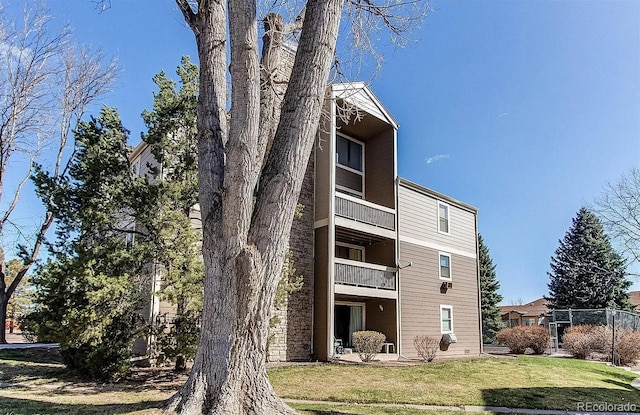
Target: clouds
[437,157]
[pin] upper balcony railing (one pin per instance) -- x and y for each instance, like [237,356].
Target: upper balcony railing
[366,212]
[361,274]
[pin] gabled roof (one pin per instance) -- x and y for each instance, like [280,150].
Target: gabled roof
[532,309]
[137,150]
[359,94]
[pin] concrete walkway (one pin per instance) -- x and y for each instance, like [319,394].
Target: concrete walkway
[17,341]
[465,408]
[29,346]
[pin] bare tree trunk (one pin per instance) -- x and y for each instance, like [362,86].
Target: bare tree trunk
[244,242]
[4,302]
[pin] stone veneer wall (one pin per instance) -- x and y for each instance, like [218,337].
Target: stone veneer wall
[292,337]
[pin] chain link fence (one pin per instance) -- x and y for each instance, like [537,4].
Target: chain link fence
[561,320]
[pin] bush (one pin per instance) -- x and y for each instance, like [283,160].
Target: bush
[518,339]
[627,349]
[538,339]
[368,344]
[584,339]
[426,347]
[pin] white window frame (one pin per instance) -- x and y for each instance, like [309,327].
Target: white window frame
[450,308]
[353,246]
[349,169]
[450,277]
[448,207]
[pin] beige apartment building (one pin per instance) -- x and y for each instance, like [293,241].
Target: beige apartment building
[376,252]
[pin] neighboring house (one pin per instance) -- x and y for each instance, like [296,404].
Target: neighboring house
[376,252]
[524,315]
[634,298]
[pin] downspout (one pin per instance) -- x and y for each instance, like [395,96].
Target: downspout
[331,230]
[313,255]
[478,282]
[398,308]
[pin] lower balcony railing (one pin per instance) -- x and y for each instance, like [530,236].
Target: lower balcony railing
[361,274]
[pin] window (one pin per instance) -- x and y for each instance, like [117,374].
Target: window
[445,266]
[129,239]
[349,153]
[443,218]
[349,166]
[446,319]
[348,251]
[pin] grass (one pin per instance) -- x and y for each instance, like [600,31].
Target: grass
[523,382]
[44,387]
[312,409]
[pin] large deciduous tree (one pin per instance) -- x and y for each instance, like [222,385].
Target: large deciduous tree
[45,86]
[586,272]
[489,296]
[252,160]
[619,210]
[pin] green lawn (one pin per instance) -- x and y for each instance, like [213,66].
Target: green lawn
[525,382]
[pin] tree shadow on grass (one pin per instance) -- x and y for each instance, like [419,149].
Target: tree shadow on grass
[35,355]
[18,406]
[562,398]
[21,373]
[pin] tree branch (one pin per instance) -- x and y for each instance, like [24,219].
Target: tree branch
[189,15]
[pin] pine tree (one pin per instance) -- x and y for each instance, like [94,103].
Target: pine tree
[586,272]
[88,293]
[165,210]
[489,296]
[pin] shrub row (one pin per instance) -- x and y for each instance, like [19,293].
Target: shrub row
[518,339]
[584,340]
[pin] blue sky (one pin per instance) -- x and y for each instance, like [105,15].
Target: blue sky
[524,109]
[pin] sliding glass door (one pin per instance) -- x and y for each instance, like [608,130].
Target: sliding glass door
[349,318]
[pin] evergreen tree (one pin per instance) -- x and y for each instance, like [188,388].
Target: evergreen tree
[165,212]
[586,272]
[88,293]
[489,296]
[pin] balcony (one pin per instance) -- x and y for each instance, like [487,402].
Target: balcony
[361,274]
[365,212]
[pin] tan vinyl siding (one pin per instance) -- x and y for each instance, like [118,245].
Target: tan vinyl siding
[379,175]
[146,161]
[418,219]
[321,303]
[421,298]
[323,177]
